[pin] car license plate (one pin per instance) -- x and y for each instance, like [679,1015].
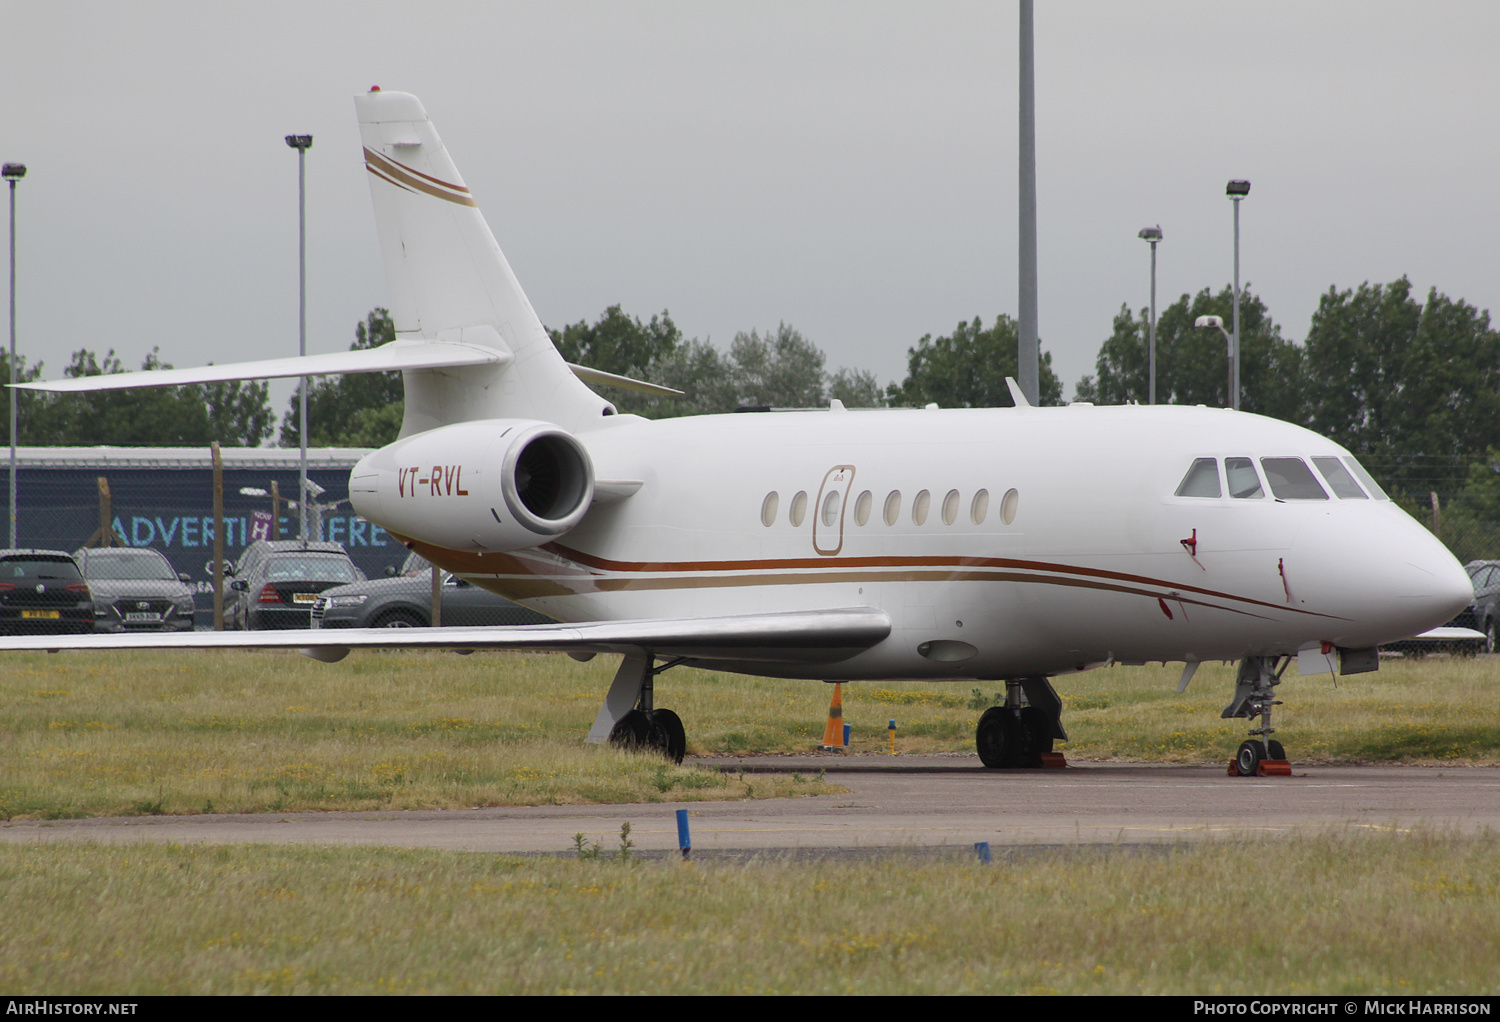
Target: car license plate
[142,615]
[49,615]
[304,597]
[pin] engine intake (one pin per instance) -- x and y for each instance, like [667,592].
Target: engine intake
[498,484]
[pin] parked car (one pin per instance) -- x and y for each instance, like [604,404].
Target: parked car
[42,592]
[275,583]
[405,601]
[1484,613]
[135,589]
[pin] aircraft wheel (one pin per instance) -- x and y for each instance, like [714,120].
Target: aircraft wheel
[1248,758]
[1275,749]
[633,731]
[1000,739]
[668,736]
[1038,736]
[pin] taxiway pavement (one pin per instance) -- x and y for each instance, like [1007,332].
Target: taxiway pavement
[902,802]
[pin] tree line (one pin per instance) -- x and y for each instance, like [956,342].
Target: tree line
[1410,384]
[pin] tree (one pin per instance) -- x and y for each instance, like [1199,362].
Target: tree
[783,370]
[1413,389]
[621,344]
[234,413]
[355,409]
[967,369]
[1192,363]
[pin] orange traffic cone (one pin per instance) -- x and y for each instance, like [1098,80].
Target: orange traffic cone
[833,734]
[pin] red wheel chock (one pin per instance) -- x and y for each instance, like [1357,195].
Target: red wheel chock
[1053,761]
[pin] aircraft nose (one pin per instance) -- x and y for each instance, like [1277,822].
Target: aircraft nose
[1382,571]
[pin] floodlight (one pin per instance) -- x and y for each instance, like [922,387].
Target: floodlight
[305,142]
[1237,189]
[13,171]
[1150,234]
[1217,321]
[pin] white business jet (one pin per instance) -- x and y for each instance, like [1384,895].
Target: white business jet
[1012,544]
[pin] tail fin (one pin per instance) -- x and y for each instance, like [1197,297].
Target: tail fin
[449,281]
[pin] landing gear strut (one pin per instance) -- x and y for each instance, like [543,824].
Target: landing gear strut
[1016,736]
[629,718]
[1254,697]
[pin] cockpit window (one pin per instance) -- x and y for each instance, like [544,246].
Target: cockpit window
[1202,480]
[1243,481]
[1291,479]
[1344,486]
[1371,486]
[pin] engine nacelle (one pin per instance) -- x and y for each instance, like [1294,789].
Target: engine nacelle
[496,484]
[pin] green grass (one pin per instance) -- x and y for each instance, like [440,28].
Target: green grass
[1335,914]
[152,733]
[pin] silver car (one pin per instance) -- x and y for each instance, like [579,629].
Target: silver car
[135,589]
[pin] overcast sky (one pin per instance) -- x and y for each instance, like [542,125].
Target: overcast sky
[848,168]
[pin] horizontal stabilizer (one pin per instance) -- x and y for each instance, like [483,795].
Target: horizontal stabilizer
[604,379]
[387,358]
[810,636]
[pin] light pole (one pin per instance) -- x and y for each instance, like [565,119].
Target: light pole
[1152,235]
[1218,321]
[13,172]
[1236,190]
[302,143]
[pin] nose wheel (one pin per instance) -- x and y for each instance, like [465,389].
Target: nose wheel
[1254,696]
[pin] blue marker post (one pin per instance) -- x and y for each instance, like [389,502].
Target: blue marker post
[684,840]
[982,849]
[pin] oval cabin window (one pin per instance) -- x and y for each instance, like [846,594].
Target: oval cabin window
[799,508]
[919,507]
[768,509]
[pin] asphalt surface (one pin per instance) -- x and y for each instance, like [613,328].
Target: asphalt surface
[909,803]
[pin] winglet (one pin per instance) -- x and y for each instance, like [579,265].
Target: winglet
[1016,394]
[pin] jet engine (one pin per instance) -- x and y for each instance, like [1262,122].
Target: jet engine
[497,484]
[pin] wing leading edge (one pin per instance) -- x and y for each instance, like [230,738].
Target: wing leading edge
[810,636]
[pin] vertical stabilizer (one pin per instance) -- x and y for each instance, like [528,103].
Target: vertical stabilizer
[449,281]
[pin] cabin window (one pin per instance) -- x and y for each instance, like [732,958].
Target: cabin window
[1202,480]
[1008,506]
[892,507]
[1243,481]
[979,507]
[1338,477]
[950,507]
[919,507]
[831,504]
[1291,479]
[862,508]
[1371,486]
[799,508]
[768,509]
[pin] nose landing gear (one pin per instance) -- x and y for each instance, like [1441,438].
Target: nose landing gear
[1262,755]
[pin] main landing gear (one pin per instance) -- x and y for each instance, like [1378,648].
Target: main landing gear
[1262,755]
[1016,736]
[629,718]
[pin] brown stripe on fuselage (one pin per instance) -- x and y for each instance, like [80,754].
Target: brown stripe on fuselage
[522,575]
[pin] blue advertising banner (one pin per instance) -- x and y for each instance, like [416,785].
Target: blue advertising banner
[171,509]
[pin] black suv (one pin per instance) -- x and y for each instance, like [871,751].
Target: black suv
[405,601]
[42,592]
[275,584]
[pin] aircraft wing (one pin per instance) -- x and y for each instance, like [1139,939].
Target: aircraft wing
[387,358]
[809,636]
